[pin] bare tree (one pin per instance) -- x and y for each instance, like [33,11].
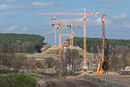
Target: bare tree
[70,61]
[48,62]
[124,60]
[11,60]
[118,57]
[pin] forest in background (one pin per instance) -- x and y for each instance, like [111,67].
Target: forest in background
[92,42]
[22,43]
[29,43]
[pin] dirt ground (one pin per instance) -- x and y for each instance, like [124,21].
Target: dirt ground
[118,80]
[60,82]
[110,81]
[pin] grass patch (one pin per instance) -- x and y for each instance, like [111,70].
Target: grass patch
[17,80]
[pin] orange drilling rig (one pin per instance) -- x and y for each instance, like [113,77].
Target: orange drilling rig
[103,62]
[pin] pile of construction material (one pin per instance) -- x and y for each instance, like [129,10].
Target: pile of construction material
[126,71]
[127,68]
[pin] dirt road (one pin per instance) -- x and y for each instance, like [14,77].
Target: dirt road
[110,81]
[54,82]
[118,80]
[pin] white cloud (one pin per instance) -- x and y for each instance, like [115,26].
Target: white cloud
[121,16]
[126,25]
[108,0]
[12,28]
[120,21]
[42,4]
[98,21]
[94,22]
[4,7]
[33,5]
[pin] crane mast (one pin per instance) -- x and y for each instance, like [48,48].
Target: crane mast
[84,28]
[60,39]
[59,27]
[55,28]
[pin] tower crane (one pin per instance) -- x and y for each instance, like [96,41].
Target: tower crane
[59,27]
[55,28]
[103,62]
[84,27]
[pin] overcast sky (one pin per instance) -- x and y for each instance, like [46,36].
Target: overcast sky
[20,16]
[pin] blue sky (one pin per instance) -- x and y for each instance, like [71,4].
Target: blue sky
[20,16]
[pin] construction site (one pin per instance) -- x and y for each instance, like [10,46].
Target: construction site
[75,66]
[62,47]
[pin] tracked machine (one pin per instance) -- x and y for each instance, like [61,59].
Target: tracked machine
[103,65]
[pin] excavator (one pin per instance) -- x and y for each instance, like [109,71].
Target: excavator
[103,62]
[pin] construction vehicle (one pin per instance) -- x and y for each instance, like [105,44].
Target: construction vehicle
[103,62]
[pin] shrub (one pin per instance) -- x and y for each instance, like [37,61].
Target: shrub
[17,80]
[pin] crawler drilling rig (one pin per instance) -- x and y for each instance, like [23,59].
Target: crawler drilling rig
[103,62]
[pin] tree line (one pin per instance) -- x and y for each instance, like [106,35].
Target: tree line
[22,43]
[92,42]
